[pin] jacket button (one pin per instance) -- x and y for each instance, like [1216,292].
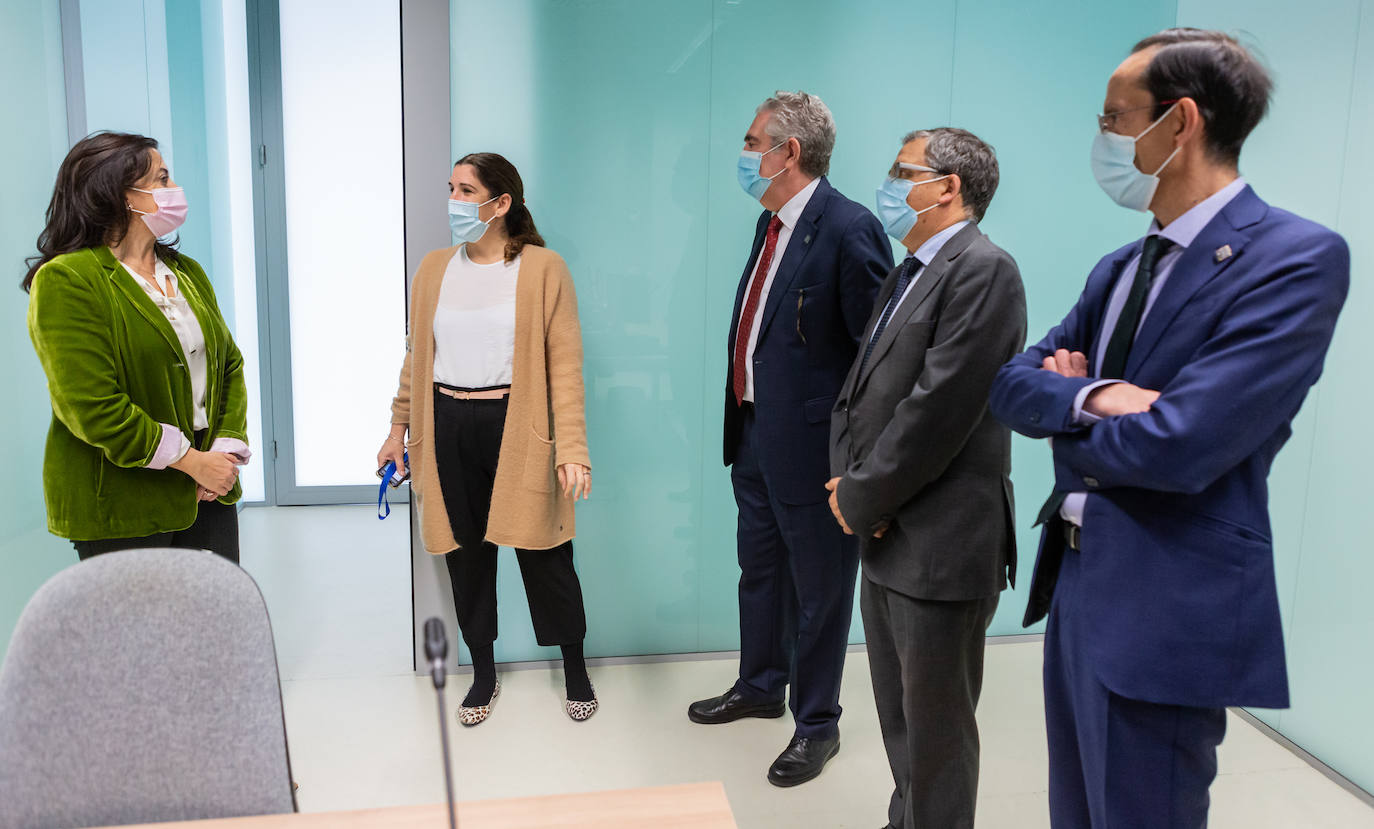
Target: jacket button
[1034,417]
[1092,482]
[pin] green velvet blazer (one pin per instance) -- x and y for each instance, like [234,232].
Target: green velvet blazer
[115,374]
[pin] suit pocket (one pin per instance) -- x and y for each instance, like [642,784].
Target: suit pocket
[413,453]
[818,409]
[538,472]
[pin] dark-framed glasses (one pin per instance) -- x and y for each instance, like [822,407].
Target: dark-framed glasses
[1107,120]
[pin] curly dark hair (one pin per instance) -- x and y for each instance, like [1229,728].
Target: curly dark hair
[88,206]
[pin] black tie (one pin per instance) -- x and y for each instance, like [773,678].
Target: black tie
[1119,346]
[903,280]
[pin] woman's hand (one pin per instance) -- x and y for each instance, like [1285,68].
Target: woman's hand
[576,480]
[393,449]
[203,494]
[216,472]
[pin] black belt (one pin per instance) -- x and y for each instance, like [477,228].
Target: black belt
[1073,535]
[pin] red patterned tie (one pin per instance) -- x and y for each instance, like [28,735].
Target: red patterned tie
[751,307]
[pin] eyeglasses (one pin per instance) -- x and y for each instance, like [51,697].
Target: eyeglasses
[1107,120]
[898,167]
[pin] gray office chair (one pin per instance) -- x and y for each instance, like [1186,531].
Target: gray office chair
[141,686]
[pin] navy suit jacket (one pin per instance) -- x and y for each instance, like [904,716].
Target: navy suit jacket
[1177,564]
[818,304]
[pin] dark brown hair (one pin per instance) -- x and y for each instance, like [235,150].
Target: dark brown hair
[499,176]
[88,206]
[1231,88]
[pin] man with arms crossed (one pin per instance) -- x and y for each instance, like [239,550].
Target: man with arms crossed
[922,470]
[817,261]
[1168,390]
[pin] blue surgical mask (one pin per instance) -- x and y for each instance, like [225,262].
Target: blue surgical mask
[463,221]
[897,216]
[748,171]
[1113,160]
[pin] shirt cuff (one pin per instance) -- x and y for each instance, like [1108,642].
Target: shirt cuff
[1080,415]
[233,446]
[172,448]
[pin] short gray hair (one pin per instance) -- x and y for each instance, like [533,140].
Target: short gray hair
[960,152]
[807,119]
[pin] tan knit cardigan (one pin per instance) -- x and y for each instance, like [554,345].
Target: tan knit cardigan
[546,423]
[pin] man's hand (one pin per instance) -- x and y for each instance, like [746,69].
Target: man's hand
[1119,399]
[833,487]
[1068,363]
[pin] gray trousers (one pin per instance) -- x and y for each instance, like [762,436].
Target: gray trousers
[926,659]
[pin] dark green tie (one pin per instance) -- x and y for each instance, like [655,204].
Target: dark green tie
[1119,346]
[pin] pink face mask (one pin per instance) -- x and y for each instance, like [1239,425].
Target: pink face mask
[171,210]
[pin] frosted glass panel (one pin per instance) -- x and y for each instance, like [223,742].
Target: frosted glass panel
[228,130]
[341,106]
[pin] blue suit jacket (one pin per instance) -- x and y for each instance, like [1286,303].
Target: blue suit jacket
[818,304]
[1177,563]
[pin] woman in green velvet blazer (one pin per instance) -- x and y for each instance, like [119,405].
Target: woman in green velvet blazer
[148,397]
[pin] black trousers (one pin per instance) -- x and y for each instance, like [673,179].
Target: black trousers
[926,660]
[467,445]
[216,529]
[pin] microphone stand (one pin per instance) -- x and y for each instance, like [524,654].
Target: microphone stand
[436,648]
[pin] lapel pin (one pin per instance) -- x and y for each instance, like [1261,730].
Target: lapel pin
[1223,253]
[807,240]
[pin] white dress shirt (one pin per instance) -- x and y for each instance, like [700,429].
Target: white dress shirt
[925,254]
[1181,231]
[474,323]
[167,296]
[790,214]
[174,307]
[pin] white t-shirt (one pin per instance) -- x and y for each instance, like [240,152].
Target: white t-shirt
[474,323]
[187,327]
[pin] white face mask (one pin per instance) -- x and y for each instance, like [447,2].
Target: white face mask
[1113,160]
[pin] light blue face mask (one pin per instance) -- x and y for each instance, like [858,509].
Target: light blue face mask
[463,221]
[748,171]
[897,216]
[1113,160]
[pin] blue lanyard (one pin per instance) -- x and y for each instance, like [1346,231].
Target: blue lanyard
[382,500]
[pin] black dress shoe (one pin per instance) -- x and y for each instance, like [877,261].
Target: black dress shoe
[731,706]
[802,760]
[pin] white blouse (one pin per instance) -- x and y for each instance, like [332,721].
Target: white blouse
[474,323]
[187,327]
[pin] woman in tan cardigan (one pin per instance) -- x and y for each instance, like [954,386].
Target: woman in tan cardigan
[491,394]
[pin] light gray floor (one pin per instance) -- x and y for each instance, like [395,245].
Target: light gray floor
[337,585]
[363,729]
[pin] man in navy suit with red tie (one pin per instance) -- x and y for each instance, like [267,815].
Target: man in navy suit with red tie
[1167,391]
[805,296]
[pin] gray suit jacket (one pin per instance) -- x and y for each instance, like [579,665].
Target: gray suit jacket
[912,438]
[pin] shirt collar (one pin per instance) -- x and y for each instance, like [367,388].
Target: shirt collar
[1183,230]
[930,247]
[791,212]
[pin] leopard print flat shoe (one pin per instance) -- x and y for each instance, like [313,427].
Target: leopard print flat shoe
[478,713]
[579,710]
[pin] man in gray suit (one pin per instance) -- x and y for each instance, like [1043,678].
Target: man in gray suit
[922,470]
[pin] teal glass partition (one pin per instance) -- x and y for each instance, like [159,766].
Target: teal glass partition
[1311,156]
[33,145]
[625,120]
